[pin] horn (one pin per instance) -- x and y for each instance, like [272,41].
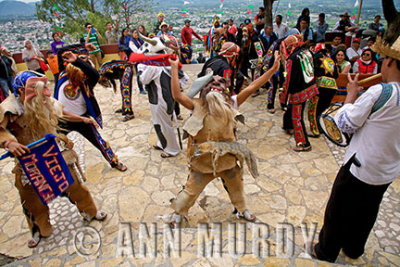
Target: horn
[166,39]
[149,40]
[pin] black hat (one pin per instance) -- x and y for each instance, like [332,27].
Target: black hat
[186,21]
[247,21]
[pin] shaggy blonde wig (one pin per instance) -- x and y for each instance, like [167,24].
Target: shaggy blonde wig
[40,114]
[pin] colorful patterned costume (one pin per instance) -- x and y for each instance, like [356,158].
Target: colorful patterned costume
[326,74]
[124,72]
[299,87]
[93,109]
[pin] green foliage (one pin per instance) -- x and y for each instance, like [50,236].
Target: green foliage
[73,14]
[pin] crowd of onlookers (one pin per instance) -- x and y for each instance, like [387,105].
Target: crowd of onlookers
[358,57]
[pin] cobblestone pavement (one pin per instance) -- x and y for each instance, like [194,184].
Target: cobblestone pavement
[292,188]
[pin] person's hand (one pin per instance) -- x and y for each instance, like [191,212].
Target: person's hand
[174,62]
[17,149]
[91,121]
[352,87]
[277,61]
[90,47]
[69,57]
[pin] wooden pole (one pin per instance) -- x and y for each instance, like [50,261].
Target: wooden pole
[359,13]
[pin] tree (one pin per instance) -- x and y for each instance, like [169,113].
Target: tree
[70,16]
[268,11]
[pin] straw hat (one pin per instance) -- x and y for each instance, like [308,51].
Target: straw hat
[163,24]
[383,48]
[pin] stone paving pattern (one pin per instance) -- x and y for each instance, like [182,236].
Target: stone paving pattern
[292,187]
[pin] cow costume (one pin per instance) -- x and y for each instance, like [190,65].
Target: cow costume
[154,74]
[212,147]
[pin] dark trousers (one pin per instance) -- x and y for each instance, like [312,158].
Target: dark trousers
[93,136]
[325,97]
[177,109]
[349,216]
[140,85]
[277,82]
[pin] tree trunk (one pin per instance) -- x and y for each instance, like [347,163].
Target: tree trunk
[92,5]
[392,17]
[268,11]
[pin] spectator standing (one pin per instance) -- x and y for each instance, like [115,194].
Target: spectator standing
[31,56]
[134,44]
[306,31]
[232,27]
[354,52]
[229,37]
[305,14]
[123,44]
[143,31]
[268,37]
[259,20]
[160,20]
[280,29]
[53,64]
[344,24]
[186,37]
[91,36]
[111,33]
[366,64]
[375,26]
[164,29]
[321,29]
[57,43]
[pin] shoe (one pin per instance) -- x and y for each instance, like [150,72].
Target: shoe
[35,240]
[121,167]
[143,93]
[100,216]
[166,155]
[128,118]
[118,110]
[271,110]
[302,148]
[246,215]
[179,117]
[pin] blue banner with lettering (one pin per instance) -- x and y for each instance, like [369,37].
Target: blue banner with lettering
[46,169]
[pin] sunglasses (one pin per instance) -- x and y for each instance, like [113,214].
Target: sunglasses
[367,55]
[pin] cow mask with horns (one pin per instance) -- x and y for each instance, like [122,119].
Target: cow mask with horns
[158,45]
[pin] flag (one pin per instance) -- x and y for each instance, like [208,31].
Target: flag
[185,9]
[289,13]
[184,15]
[220,12]
[46,169]
[56,7]
[55,13]
[221,5]
[251,6]
[249,12]
[354,10]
